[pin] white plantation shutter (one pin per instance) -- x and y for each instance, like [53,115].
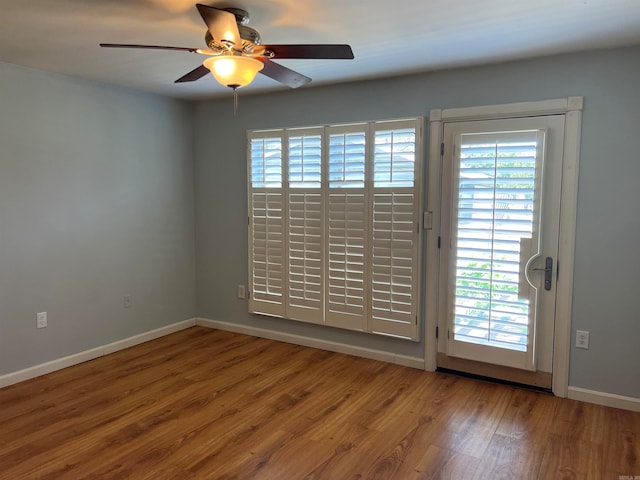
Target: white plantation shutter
[266,210]
[346,295]
[305,264]
[395,206]
[496,219]
[394,157]
[394,272]
[334,217]
[305,229]
[347,228]
[267,249]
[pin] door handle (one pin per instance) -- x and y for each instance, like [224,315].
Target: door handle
[548,270]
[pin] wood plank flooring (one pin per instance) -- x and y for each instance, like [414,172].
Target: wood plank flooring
[209,404]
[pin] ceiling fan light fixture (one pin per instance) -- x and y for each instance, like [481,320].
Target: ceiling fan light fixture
[233,71]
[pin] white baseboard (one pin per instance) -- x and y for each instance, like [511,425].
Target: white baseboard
[76,358]
[407,361]
[606,399]
[575,393]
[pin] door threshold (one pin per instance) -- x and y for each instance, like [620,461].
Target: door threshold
[493,380]
[488,370]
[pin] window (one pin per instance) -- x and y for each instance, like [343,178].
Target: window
[334,216]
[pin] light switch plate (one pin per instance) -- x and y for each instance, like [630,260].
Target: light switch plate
[242,292]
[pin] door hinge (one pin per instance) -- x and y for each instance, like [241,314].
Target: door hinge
[437,331]
[439,241]
[442,149]
[448,334]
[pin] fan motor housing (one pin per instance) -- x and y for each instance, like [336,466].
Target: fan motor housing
[249,34]
[250,38]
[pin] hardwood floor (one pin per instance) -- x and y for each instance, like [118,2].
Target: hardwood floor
[209,404]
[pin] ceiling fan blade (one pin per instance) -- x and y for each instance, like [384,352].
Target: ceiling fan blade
[150,47]
[282,74]
[193,75]
[222,25]
[318,51]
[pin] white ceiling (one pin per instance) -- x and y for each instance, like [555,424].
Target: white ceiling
[408,36]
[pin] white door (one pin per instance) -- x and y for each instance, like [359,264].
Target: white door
[501,185]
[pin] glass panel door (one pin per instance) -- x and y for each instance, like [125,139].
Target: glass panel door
[497,176]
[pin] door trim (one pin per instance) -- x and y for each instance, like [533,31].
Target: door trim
[572,108]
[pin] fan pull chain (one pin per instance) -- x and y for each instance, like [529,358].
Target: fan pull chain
[235,101]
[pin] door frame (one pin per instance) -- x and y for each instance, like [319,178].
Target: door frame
[572,108]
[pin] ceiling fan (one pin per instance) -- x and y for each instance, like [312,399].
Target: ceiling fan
[235,53]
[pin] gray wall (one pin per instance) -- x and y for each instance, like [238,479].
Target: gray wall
[608,225]
[96,201]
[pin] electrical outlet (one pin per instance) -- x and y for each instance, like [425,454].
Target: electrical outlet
[41,319]
[582,339]
[242,292]
[126,301]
